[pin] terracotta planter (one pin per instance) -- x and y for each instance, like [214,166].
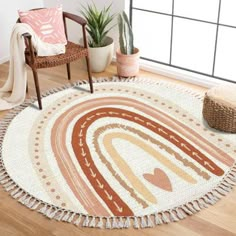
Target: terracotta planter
[127,65]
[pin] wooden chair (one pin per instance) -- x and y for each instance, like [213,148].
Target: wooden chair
[73,52]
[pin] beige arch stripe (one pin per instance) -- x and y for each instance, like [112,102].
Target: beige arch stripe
[145,136]
[150,150]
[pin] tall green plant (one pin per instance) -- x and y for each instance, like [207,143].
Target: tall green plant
[97,24]
[126,37]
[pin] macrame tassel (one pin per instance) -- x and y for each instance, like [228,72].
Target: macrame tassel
[217,195]
[2,177]
[18,194]
[11,187]
[158,220]
[8,184]
[30,204]
[43,209]
[227,189]
[27,200]
[34,207]
[86,221]
[173,217]
[202,204]
[70,219]
[226,184]
[180,214]
[78,220]
[136,223]
[207,200]
[196,206]
[149,222]
[143,222]
[22,199]
[100,223]
[53,213]
[120,223]
[66,216]
[186,210]
[114,223]
[229,181]
[49,211]
[190,207]
[127,222]
[108,223]
[213,197]
[92,223]
[165,218]
[4,181]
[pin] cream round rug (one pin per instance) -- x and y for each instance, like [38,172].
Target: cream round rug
[136,152]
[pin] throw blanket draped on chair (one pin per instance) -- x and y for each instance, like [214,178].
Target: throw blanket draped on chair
[13,92]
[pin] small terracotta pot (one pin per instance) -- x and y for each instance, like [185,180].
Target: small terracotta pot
[127,65]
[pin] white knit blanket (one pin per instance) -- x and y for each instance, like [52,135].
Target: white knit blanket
[13,92]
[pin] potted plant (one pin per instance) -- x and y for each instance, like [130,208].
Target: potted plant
[101,47]
[127,56]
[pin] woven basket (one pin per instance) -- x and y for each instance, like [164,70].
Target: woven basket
[219,116]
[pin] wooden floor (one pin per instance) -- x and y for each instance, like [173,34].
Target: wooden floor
[16,219]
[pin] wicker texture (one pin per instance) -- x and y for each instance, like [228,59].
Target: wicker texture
[73,52]
[219,116]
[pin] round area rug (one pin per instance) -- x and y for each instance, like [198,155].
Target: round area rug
[136,152]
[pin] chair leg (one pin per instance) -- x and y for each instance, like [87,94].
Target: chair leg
[68,70]
[89,74]
[36,82]
[27,87]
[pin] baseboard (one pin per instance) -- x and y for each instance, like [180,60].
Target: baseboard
[182,75]
[177,74]
[4,59]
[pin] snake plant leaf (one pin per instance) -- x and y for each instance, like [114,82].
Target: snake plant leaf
[121,32]
[131,36]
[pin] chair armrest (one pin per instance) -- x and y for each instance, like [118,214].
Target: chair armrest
[75,18]
[78,20]
[29,46]
[27,35]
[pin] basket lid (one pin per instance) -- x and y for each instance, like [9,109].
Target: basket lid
[224,94]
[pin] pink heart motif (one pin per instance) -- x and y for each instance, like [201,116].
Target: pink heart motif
[159,179]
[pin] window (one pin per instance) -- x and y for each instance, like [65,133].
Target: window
[193,35]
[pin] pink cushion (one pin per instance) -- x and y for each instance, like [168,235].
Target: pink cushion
[47,24]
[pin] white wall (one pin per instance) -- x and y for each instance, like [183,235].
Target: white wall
[74,6]
[8,17]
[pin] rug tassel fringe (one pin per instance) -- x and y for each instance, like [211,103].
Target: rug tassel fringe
[143,222]
[100,223]
[136,223]
[173,217]
[127,222]
[108,223]
[114,223]
[86,221]
[66,216]
[78,220]
[92,223]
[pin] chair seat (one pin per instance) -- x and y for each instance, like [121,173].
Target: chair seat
[73,52]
